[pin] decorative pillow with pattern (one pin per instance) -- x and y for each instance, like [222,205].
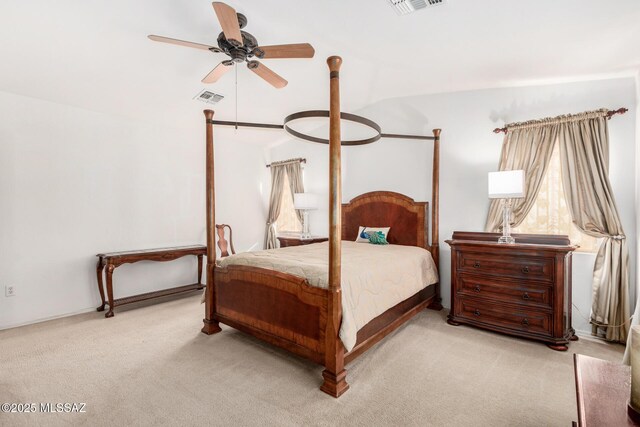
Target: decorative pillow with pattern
[364,233]
[377,238]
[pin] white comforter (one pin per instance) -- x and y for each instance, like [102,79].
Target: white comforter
[374,277]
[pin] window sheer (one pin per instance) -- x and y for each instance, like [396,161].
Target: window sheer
[550,215]
[287,221]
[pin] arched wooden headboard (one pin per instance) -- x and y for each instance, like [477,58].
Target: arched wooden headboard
[407,218]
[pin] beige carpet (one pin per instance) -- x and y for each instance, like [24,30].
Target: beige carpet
[150,365]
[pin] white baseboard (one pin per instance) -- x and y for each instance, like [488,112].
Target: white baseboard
[586,335]
[45,319]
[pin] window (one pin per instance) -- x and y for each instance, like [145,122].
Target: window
[287,221]
[550,215]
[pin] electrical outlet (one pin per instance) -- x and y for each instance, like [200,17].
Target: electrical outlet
[9,290]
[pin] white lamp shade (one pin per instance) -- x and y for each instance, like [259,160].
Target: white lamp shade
[506,184]
[306,201]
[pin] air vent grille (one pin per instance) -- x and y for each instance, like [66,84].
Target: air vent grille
[403,7]
[209,97]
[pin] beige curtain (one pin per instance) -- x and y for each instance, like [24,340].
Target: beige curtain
[526,147]
[584,153]
[294,171]
[278,170]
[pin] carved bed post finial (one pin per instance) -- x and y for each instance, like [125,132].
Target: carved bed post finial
[334,375]
[211,326]
[334,62]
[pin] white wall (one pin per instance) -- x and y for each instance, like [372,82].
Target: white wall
[469,150]
[74,183]
[636,311]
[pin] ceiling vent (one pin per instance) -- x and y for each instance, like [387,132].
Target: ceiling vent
[403,7]
[209,97]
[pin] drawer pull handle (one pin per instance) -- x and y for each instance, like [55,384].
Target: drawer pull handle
[525,322]
[526,296]
[476,264]
[477,288]
[476,312]
[525,269]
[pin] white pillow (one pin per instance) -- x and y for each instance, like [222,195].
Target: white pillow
[360,239]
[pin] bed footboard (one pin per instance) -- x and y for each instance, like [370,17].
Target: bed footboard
[279,308]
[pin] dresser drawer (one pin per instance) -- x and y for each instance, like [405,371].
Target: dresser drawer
[505,316]
[509,290]
[524,267]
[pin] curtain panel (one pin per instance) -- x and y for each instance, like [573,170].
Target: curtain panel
[294,170]
[528,149]
[584,154]
[279,170]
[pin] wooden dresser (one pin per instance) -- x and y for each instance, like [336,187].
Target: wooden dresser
[522,289]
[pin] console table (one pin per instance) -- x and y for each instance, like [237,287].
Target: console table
[110,261]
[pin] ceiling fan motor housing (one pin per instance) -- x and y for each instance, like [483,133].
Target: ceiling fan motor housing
[242,20]
[238,53]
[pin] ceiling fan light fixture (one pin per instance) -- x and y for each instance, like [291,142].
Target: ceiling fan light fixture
[404,7]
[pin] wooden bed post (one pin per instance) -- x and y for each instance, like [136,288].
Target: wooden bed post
[435,214]
[211,326]
[334,375]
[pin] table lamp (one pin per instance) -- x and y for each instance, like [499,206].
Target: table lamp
[305,202]
[506,185]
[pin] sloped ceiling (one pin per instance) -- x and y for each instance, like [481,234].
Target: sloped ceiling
[94,54]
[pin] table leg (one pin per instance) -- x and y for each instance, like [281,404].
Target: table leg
[99,269]
[110,268]
[200,272]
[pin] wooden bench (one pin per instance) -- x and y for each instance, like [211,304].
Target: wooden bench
[112,260]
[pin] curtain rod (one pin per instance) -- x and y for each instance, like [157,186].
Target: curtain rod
[609,114]
[285,162]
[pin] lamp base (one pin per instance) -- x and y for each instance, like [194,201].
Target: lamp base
[305,225]
[506,239]
[506,224]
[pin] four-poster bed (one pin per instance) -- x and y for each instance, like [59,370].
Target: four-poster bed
[284,309]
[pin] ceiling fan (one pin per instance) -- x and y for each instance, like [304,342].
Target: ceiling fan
[241,46]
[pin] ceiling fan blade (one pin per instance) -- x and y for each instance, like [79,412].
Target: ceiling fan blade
[297,50]
[215,74]
[267,74]
[183,43]
[229,22]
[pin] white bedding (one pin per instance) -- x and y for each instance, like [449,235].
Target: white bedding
[374,277]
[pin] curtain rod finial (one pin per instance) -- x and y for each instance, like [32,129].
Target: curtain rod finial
[436,132]
[208,114]
[612,113]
